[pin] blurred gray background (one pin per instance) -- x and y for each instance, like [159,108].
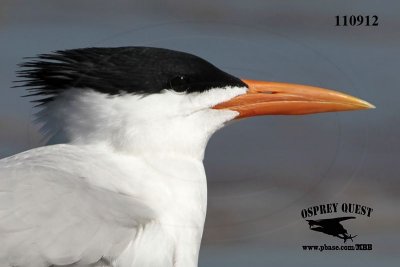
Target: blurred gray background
[262,171]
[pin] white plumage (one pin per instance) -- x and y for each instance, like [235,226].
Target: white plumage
[127,188]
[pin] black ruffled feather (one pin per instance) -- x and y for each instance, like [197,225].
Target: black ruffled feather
[138,70]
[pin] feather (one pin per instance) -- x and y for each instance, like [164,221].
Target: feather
[52,212]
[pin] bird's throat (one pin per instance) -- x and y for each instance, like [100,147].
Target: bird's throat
[129,125]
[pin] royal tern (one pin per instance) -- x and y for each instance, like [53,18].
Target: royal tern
[125,185]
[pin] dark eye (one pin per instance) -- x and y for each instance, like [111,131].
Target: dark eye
[179,83]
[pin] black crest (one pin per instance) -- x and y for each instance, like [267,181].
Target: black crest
[138,70]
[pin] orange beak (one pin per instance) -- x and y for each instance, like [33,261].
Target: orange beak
[273,98]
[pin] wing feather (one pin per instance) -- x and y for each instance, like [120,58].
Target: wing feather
[53,214]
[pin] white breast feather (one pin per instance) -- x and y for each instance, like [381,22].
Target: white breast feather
[129,188]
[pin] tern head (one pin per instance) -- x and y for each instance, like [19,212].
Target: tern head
[143,99]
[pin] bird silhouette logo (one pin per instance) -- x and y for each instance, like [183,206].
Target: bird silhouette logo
[332,227]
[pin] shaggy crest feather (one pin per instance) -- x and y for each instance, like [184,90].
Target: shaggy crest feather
[136,70]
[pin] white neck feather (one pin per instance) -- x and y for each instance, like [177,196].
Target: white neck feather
[165,123]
